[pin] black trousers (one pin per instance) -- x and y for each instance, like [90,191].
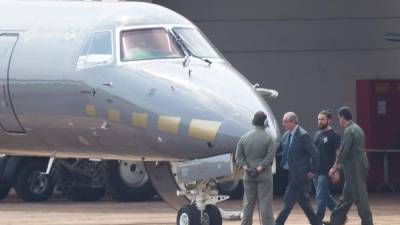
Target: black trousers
[297,191]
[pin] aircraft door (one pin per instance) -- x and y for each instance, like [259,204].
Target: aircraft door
[8,118]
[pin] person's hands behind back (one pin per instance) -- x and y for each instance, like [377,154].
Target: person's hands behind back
[253,173]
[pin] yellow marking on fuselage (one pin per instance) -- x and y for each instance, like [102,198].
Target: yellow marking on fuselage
[204,129]
[139,119]
[114,115]
[90,110]
[169,124]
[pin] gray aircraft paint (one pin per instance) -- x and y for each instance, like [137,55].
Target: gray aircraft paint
[70,112]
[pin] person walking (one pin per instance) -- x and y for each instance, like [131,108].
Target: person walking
[352,159]
[255,153]
[300,158]
[327,142]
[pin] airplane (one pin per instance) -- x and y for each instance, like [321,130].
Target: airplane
[89,87]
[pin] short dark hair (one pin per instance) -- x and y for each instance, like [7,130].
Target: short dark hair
[259,118]
[345,112]
[327,113]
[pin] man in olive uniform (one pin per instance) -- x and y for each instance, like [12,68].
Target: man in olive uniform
[353,160]
[254,154]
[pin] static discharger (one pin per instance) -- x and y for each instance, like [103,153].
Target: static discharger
[169,124]
[90,110]
[204,129]
[114,115]
[139,119]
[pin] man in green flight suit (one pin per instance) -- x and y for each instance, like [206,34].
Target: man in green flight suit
[352,159]
[255,154]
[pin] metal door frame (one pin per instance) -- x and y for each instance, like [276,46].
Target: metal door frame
[8,93]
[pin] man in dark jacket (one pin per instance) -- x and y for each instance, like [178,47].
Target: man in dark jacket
[300,158]
[255,154]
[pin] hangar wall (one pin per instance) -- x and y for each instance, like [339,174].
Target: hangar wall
[312,52]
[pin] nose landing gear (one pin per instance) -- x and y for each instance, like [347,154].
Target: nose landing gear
[203,196]
[191,215]
[195,200]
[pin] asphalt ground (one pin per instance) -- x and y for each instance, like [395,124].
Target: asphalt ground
[385,208]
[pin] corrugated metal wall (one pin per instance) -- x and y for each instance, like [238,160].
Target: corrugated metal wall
[312,52]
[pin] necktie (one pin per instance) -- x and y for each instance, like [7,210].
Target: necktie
[285,156]
[289,141]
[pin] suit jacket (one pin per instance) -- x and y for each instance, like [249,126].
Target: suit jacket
[303,156]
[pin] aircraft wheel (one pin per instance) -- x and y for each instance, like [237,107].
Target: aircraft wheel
[4,189]
[31,185]
[232,188]
[85,194]
[130,182]
[188,215]
[211,216]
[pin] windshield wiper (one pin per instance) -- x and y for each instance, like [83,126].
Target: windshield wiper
[188,51]
[187,59]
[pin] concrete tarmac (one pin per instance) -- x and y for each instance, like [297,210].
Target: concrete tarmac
[58,211]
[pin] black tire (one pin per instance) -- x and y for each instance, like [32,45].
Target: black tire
[4,189]
[31,185]
[85,194]
[232,188]
[188,215]
[213,215]
[123,192]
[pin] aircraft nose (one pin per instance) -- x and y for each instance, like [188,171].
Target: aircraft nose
[234,100]
[239,116]
[213,104]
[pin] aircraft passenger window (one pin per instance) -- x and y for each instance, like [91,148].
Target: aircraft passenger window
[97,51]
[148,44]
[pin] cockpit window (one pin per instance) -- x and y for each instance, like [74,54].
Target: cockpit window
[100,44]
[148,44]
[196,43]
[96,51]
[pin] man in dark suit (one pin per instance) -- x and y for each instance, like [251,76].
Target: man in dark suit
[300,157]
